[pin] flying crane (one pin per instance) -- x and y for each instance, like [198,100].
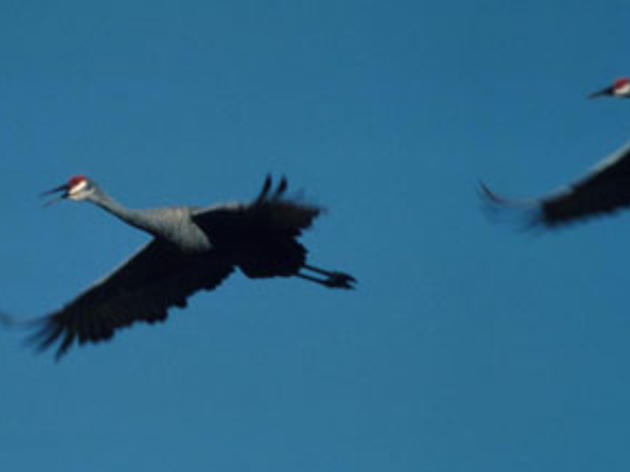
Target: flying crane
[605,189]
[193,248]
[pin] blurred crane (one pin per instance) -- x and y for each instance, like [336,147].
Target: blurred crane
[605,189]
[192,249]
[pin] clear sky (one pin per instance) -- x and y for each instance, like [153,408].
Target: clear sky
[469,346]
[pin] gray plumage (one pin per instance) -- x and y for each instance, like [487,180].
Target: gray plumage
[192,249]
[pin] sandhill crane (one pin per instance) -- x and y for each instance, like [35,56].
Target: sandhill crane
[604,190]
[192,248]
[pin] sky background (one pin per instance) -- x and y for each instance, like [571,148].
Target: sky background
[467,346]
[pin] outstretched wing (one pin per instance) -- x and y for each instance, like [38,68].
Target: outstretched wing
[260,236]
[143,288]
[605,189]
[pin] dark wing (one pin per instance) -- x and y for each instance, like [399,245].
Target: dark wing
[143,288]
[260,236]
[604,190]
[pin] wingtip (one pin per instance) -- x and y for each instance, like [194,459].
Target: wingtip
[6,320]
[485,192]
[267,183]
[13,322]
[60,354]
[265,189]
[489,196]
[528,214]
[282,187]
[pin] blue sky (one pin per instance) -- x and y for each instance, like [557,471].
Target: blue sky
[468,345]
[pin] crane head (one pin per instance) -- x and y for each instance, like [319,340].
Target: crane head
[78,187]
[619,88]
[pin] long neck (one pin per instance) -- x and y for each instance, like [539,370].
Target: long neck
[139,219]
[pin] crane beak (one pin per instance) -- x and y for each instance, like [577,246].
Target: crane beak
[603,92]
[65,188]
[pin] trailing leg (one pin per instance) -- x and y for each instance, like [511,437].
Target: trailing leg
[334,279]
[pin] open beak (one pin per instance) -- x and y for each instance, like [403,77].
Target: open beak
[65,188]
[603,92]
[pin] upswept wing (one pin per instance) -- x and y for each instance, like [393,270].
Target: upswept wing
[269,211]
[143,288]
[260,236]
[605,190]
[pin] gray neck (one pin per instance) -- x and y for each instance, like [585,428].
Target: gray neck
[137,218]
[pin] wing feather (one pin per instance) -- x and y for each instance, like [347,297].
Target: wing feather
[260,236]
[143,288]
[267,212]
[604,190]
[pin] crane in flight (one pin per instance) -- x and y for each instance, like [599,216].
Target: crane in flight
[192,248]
[605,189]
